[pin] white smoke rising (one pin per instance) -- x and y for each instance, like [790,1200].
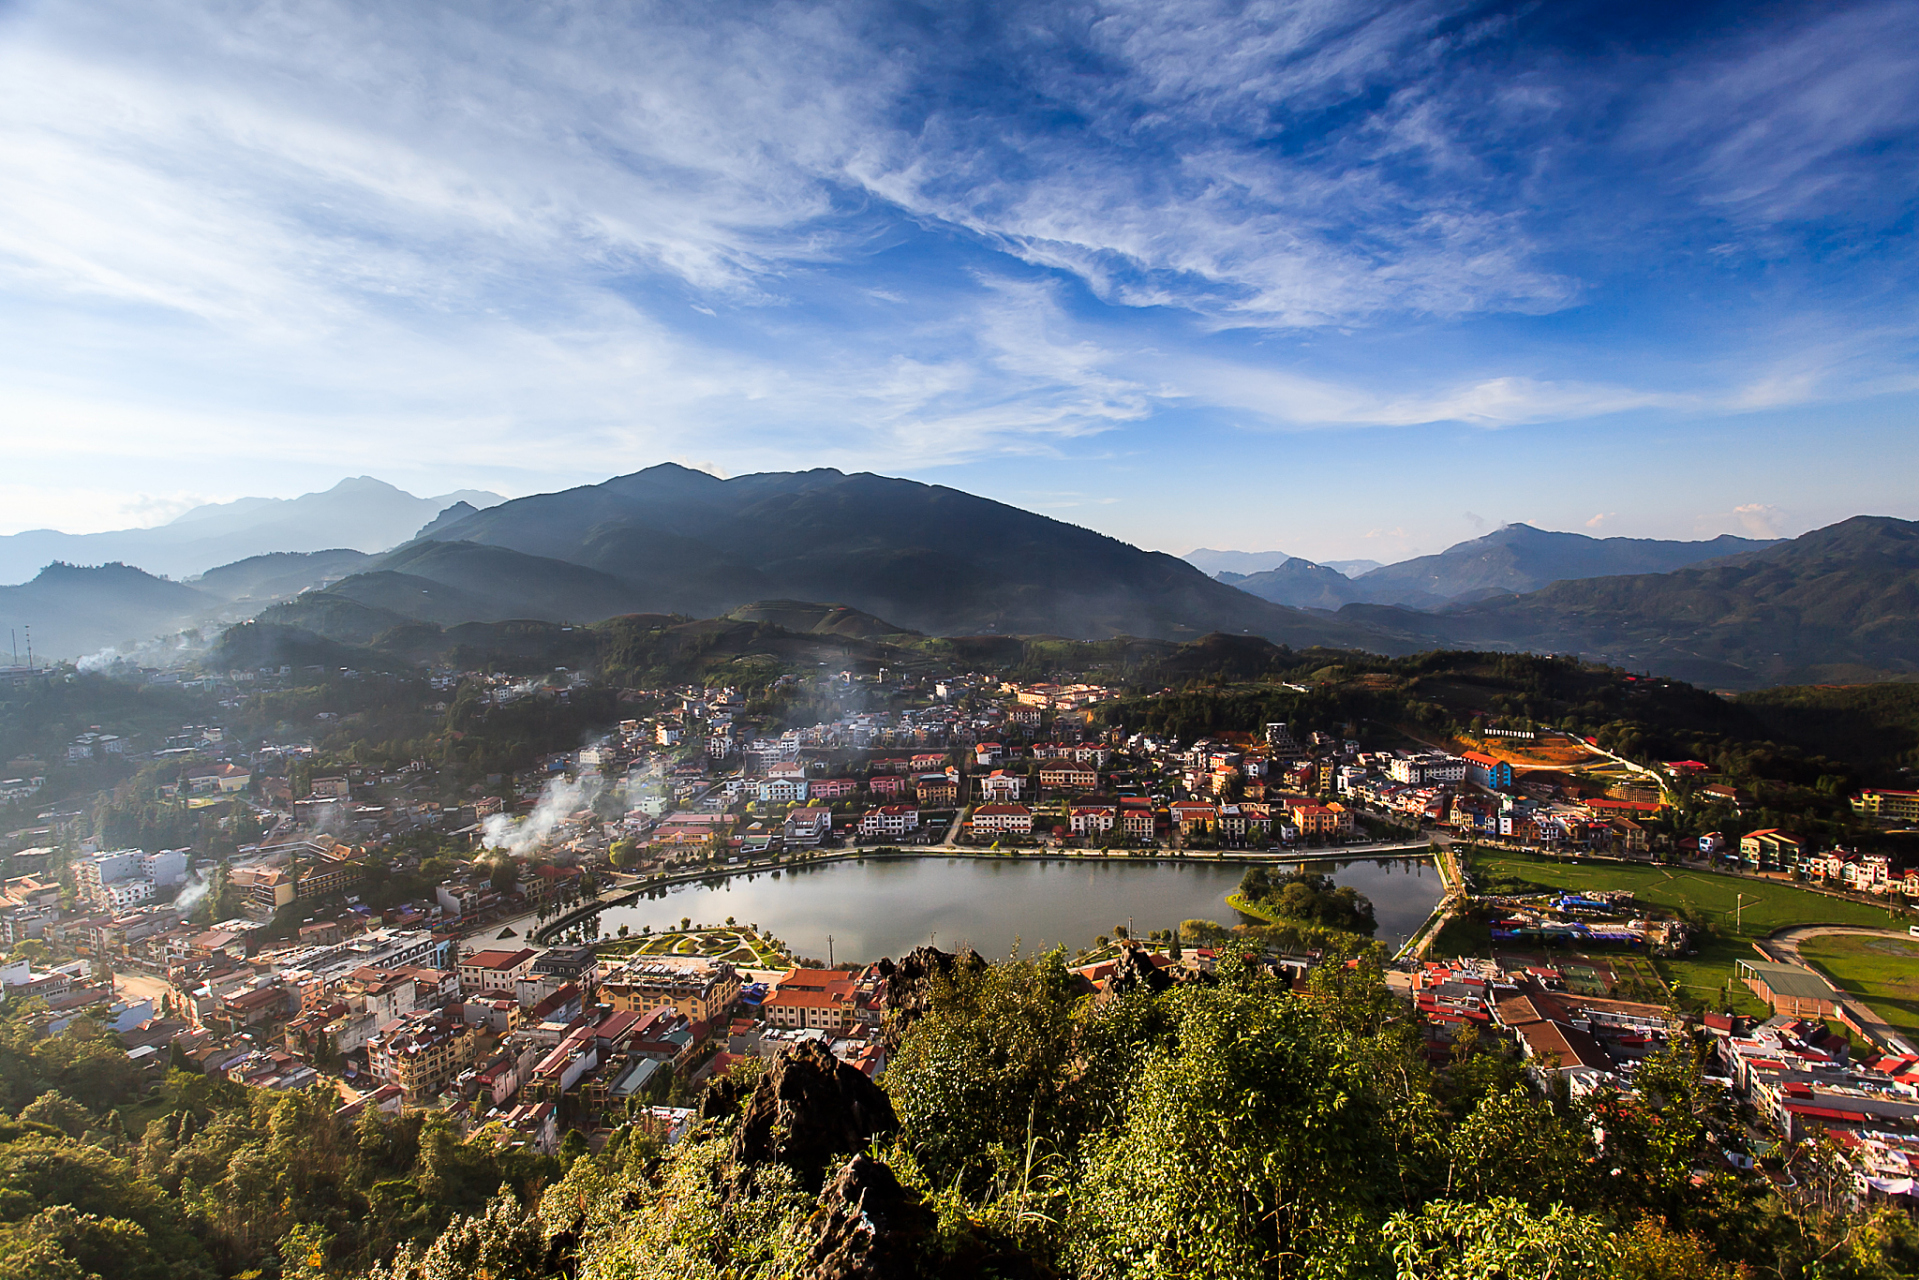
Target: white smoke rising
[99,661]
[192,893]
[559,800]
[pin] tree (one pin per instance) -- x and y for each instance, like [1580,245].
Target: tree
[990,1059]
[1448,1240]
[57,1109]
[573,1146]
[33,950]
[1248,1144]
[1513,1142]
[504,1240]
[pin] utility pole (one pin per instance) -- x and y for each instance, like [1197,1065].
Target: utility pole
[1739,914]
[829,951]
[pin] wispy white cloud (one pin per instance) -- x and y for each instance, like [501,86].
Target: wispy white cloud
[1794,123]
[805,234]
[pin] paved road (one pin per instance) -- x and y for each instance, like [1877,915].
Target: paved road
[1786,943]
[952,833]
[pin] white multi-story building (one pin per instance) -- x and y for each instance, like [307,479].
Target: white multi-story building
[1000,787]
[128,877]
[890,820]
[1427,768]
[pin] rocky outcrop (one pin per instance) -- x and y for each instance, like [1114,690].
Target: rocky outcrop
[723,1097]
[910,983]
[807,1112]
[868,1226]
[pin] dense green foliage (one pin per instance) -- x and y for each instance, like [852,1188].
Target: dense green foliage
[1227,1128]
[227,1181]
[1309,898]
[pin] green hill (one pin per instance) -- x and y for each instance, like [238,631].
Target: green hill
[926,557]
[1837,604]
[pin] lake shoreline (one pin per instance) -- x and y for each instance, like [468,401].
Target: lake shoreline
[886,903]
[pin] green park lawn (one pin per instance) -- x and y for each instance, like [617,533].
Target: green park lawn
[1883,972]
[737,945]
[1703,896]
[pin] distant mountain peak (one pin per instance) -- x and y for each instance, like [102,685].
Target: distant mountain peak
[458,511]
[1244,563]
[366,511]
[1519,557]
[364,484]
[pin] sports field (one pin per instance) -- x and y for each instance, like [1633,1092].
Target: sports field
[1738,908]
[1883,972]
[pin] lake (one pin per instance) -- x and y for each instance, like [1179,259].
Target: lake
[886,907]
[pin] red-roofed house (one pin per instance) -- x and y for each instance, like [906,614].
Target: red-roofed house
[815,999]
[890,820]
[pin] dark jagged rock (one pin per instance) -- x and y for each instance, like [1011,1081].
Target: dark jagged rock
[868,1226]
[909,984]
[723,1097]
[1135,971]
[563,1249]
[809,1110]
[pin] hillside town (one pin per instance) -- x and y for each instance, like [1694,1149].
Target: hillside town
[383,933]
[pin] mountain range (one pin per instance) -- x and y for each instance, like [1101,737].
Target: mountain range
[1836,605]
[1514,559]
[360,513]
[1240,564]
[925,557]
[863,558]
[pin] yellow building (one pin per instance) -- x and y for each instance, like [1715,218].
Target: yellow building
[422,1052]
[1896,806]
[702,991]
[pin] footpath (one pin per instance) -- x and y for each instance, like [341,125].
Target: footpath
[1450,874]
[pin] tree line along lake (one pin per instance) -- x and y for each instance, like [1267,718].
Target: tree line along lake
[887,906]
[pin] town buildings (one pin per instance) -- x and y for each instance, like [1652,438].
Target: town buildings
[701,990]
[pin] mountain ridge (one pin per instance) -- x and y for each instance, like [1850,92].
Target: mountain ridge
[1520,558]
[371,514]
[928,557]
[1837,604]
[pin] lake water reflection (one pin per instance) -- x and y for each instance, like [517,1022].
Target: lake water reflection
[887,907]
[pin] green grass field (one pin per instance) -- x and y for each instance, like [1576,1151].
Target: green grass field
[1738,909]
[1883,972]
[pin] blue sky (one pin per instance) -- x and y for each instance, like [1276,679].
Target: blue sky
[1344,279]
